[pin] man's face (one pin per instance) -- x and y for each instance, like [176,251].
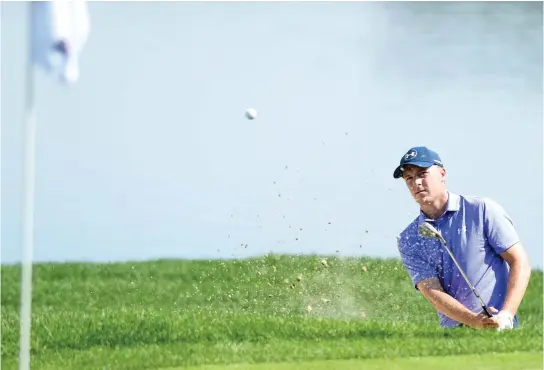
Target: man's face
[425,184]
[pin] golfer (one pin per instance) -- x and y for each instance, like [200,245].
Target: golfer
[480,235]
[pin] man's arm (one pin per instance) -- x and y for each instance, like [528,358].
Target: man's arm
[449,306]
[520,273]
[504,239]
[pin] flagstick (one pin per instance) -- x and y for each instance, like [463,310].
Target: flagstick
[28,211]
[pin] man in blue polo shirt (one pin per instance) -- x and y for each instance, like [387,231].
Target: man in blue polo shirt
[480,235]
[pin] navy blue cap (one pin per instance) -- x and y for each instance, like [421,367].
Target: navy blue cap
[419,156]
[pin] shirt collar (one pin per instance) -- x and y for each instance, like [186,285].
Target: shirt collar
[453,205]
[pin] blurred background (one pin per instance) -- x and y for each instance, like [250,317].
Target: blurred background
[149,154]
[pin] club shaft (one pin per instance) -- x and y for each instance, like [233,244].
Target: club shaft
[465,276]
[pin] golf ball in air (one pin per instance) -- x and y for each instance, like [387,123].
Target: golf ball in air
[251,113]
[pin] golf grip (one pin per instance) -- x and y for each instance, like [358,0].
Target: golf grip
[486,310]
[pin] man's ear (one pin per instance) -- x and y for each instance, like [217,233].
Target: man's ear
[443,173]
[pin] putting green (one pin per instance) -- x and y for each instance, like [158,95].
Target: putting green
[495,361]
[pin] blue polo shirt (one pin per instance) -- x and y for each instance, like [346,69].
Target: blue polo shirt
[477,230]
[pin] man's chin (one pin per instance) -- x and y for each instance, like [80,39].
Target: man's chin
[423,199]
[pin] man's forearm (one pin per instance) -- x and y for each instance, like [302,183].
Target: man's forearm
[518,280]
[449,306]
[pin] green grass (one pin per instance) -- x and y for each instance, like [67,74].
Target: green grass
[510,361]
[150,315]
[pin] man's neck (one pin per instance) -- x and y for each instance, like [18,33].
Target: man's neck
[436,208]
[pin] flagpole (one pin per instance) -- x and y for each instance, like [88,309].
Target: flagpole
[29,179]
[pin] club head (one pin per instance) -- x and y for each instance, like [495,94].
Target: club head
[429,231]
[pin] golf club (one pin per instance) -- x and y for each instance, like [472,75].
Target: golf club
[429,231]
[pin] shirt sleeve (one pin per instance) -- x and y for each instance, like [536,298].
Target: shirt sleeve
[418,268]
[499,228]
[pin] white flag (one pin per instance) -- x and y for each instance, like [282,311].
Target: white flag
[59,32]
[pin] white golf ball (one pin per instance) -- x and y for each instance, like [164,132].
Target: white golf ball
[251,113]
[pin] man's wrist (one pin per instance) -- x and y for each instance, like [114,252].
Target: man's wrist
[471,319]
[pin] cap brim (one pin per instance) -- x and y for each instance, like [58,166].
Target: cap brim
[399,170]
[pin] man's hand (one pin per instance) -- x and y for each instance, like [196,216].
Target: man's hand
[504,319]
[482,321]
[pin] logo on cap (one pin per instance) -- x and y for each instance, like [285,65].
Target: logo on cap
[411,154]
